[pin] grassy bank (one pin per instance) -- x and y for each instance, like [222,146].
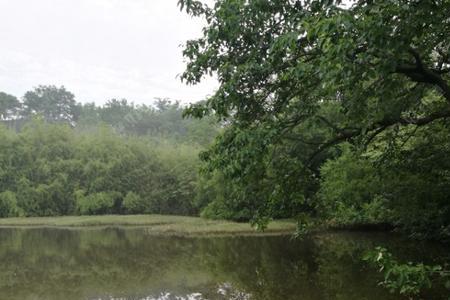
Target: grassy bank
[158,224]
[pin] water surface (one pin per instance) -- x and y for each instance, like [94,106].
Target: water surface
[118,263]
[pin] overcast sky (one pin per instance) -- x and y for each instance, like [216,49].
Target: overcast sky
[98,49]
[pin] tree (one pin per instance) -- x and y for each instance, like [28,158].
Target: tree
[114,111]
[9,106]
[297,78]
[89,115]
[53,103]
[278,61]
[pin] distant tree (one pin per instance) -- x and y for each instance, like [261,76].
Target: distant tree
[89,115]
[9,106]
[163,104]
[53,103]
[114,111]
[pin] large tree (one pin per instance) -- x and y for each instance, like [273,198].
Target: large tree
[55,104]
[309,75]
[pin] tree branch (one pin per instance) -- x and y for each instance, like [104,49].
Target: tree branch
[420,73]
[378,128]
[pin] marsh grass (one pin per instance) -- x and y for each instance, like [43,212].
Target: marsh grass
[155,224]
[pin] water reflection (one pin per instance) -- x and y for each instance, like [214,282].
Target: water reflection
[225,293]
[130,264]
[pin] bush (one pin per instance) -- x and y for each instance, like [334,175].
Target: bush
[218,197]
[227,209]
[408,278]
[133,203]
[48,165]
[8,205]
[350,191]
[96,204]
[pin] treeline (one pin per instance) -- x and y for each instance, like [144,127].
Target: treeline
[60,157]
[56,105]
[164,119]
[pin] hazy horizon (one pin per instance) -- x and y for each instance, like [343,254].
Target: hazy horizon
[98,49]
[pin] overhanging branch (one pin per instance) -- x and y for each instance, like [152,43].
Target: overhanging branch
[377,128]
[420,73]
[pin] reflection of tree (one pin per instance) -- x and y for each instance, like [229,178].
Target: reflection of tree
[343,275]
[265,267]
[79,264]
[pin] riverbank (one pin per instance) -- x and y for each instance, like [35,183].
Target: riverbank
[158,224]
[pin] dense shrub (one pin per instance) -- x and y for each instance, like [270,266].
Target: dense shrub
[8,205]
[97,203]
[48,165]
[351,191]
[133,203]
[407,187]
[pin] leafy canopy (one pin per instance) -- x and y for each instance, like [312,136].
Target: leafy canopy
[55,104]
[279,62]
[297,78]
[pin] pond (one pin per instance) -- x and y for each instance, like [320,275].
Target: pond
[131,263]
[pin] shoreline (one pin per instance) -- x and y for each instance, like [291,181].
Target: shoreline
[153,224]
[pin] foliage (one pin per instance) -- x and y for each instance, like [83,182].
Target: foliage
[299,78]
[304,225]
[9,105]
[8,205]
[62,157]
[351,191]
[407,279]
[132,203]
[54,169]
[249,183]
[178,183]
[324,108]
[162,120]
[407,186]
[219,199]
[114,111]
[53,103]
[97,203]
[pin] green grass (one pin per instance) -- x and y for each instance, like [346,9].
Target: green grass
[158,224]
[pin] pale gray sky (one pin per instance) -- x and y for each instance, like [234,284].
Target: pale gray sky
[98,49]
